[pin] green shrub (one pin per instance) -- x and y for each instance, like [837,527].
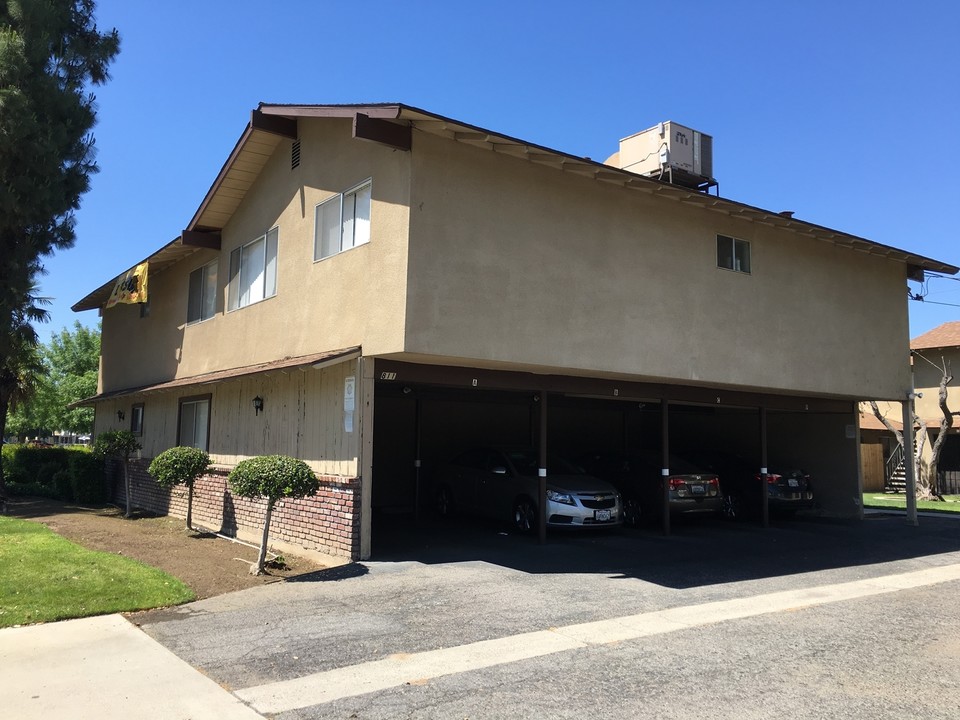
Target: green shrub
[24,464]
[87,482]
[61,485]
[30,489]
[272,477]
[179,466]
[45,473]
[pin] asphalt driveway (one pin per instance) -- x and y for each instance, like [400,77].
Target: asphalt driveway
[807,618]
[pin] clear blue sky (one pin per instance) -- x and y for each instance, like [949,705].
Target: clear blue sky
[847,113]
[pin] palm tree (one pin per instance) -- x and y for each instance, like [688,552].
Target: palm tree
[20,362]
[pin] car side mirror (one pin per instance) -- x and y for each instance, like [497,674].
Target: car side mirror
[499,470]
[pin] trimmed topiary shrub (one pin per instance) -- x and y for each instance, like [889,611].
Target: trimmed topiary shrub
[272,477]
[180,466]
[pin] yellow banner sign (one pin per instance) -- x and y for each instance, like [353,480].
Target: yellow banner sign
[131,287]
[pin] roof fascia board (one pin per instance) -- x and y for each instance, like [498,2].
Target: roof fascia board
[384,112]
[382,131]
[276,124]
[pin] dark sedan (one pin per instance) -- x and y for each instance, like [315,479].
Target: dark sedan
[638,475]
[787,491]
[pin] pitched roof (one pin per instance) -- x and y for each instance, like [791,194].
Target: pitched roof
[316,360]
[271,123]
[868,421]
[946,335]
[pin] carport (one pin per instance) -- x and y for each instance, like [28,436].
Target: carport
[424,414]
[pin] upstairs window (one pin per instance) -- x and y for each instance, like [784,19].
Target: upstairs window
[253,271]
[733,254]
[343,222]
[202,300]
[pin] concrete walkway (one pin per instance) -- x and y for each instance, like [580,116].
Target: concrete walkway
[103,668]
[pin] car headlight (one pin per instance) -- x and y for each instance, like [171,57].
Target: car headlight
[559,497]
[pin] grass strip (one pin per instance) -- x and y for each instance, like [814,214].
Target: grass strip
[898,501]
[44,577]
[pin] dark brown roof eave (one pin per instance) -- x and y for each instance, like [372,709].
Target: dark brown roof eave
[300,362]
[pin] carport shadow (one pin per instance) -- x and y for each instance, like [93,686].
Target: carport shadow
[697,553]
[342,572]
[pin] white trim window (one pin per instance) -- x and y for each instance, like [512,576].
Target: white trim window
[193,422]
[253,271]
[343,221]
[202,294]
[733,254]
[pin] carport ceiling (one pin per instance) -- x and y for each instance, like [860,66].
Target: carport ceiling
[400,374]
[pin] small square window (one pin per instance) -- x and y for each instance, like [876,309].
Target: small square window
[733,254]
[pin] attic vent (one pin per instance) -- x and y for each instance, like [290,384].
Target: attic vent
[295,154]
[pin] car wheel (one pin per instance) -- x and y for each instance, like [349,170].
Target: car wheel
[525,515]
[733,507]
[444,502]
[631,512]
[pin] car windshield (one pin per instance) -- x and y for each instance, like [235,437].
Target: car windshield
[527,463]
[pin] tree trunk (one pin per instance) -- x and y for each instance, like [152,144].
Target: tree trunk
[918,450]
[190,506]
[258,568]
[946,422]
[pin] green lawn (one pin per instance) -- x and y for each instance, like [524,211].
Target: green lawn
[44,577]
[899,501]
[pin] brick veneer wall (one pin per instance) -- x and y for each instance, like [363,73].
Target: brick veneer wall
[328,522]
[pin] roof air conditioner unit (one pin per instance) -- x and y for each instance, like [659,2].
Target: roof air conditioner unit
[671,152]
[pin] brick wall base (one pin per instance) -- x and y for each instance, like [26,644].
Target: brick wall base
[328,522]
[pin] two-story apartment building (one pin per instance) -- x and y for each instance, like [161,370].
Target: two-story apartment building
[373,288]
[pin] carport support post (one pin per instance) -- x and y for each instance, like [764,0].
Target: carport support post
[909,461]
[665,464]
[416,465]
[542,472]
[764,487]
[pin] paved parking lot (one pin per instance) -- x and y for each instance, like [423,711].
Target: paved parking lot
[807,618]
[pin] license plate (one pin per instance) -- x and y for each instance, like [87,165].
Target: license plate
[793,482]
[601,515]
[697,489]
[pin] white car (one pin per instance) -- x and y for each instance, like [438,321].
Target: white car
[503,483]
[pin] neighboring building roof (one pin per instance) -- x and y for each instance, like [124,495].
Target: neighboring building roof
[392,123]
[942,336]
[303,361]
[868,421]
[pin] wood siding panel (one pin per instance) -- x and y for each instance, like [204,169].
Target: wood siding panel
[302,417]
[871,459]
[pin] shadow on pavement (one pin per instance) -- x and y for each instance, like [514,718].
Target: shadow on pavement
[342,572]
[698,552]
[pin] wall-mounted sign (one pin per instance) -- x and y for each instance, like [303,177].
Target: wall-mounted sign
[349,402]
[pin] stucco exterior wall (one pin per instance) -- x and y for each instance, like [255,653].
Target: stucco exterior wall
[353,298]
[514,262]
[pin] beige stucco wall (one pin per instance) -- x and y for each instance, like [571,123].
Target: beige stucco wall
[354,298]
[511,261]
